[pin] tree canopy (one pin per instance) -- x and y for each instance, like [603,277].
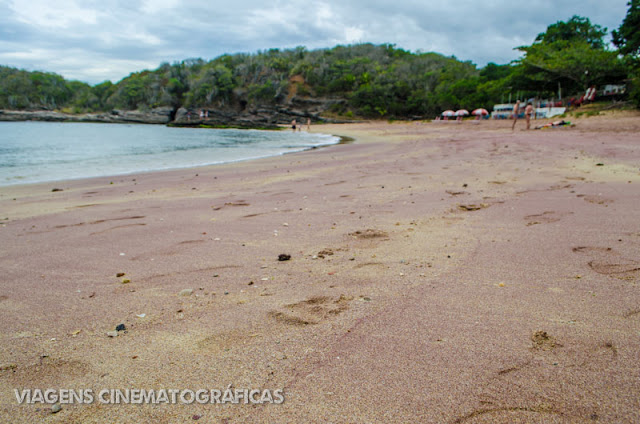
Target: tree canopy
[577,28]
[627,36]
[573,54]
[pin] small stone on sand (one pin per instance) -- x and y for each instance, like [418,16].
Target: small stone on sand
[186,292]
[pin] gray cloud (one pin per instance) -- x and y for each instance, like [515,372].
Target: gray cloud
[94,40]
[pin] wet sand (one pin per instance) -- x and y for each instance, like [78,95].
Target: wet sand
[439,273]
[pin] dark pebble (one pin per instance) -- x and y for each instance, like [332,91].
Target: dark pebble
[120,327]
[283,257]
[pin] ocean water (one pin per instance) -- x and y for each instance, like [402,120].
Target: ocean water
[45,151]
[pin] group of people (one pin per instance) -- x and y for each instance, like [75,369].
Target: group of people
[295,125]
[204,114]
[528,111]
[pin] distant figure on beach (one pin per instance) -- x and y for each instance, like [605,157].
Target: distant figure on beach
[201,113]
[188,116]
[516,110]
[293,125]
[528,111]
[308,124]
[206,114]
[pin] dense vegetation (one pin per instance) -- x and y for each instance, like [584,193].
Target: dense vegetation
[373,80]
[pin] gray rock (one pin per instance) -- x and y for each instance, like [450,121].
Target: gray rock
[161,115]
[56,408]
[186,292]
[112,333]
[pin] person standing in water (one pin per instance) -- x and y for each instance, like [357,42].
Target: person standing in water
[516,110]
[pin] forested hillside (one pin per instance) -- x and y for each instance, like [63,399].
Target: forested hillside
[374,81]
[361,80]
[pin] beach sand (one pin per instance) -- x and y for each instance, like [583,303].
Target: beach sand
[439,273]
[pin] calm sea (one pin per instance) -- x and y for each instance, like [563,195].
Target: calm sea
[45,151]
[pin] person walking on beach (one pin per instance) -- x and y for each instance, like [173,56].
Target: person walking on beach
[528,111]
[293,125]
[516,110]
[308,124]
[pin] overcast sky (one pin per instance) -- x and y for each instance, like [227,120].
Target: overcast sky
[97,40]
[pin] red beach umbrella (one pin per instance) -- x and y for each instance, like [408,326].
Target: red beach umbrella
[480,112]
[462,112]
[448,113]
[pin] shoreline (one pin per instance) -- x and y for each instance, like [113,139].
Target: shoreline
[172,117]
[483,274]
[340,140]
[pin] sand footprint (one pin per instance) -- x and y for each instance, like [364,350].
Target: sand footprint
[313,310]
[546,217]
[607,261]
[369,234]
[597,200]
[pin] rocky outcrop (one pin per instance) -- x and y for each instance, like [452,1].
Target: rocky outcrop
[153,116]
[261,116]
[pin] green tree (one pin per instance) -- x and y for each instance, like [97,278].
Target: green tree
[571,53]
[577,63]
[577,28]
[493,72]
[627,39]
[627,36]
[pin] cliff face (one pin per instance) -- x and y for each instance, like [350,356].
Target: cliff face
[263,116]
